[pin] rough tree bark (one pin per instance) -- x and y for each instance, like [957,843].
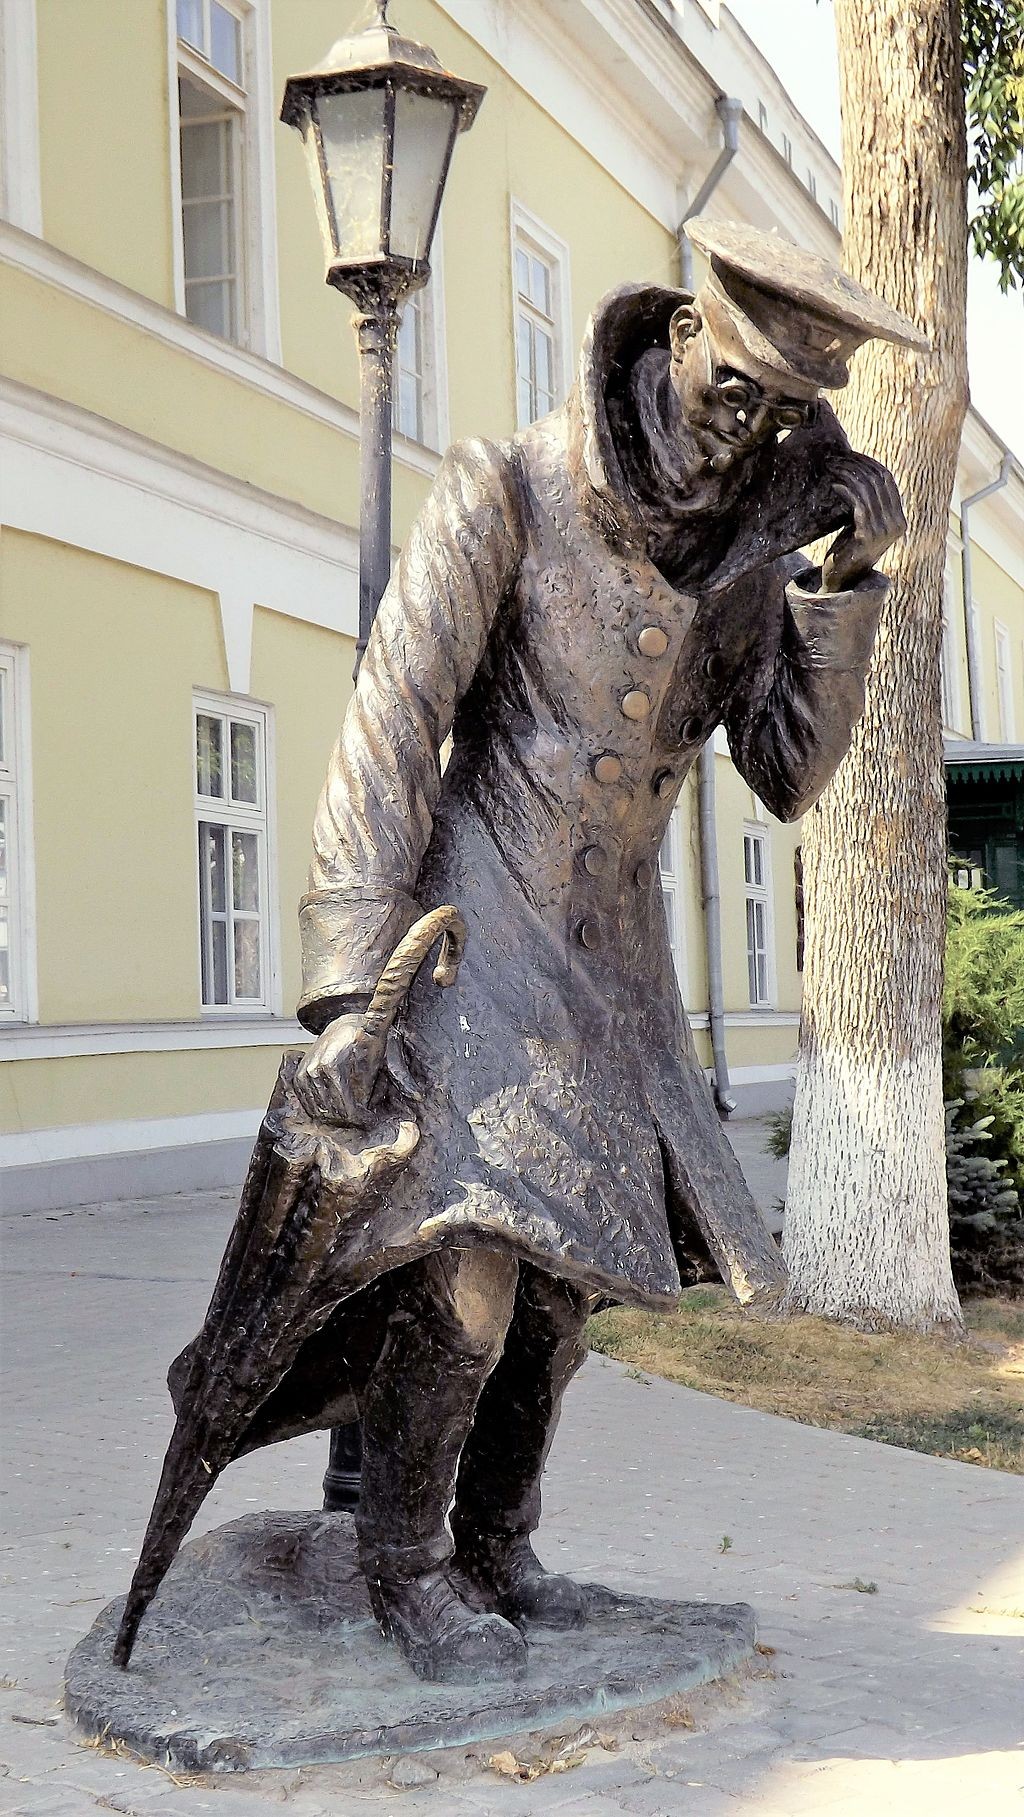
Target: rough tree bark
[866,1232]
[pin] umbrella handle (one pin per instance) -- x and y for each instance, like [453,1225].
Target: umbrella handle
[445,924]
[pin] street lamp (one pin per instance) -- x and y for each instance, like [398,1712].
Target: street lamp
[379,118]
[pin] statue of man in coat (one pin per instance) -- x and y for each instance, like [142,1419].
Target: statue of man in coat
[579,607]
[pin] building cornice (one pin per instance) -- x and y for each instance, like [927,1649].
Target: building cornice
[26,253]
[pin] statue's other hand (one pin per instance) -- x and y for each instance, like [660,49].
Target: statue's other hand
[334,1078]
[877,520]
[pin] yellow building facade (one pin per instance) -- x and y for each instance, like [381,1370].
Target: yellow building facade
[178,518]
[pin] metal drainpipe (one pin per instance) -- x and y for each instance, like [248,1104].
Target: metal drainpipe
[730,112]
[970,615]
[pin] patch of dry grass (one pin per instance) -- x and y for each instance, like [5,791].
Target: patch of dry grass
[951,1399]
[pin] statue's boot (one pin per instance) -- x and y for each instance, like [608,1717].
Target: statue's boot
[444,1338]
[497,1498]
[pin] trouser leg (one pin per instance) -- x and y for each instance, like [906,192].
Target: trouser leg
[444,1339]
[497,1502]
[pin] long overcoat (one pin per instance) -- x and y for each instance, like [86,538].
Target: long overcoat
[562,1109]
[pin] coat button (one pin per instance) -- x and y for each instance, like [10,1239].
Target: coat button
[590,935]
[594,859]
[607,767]
[645,874]
[664,784]
[636,704]
[714,667]
[652,641]
[692,730]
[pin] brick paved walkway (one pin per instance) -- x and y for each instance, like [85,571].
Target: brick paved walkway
[907,1700]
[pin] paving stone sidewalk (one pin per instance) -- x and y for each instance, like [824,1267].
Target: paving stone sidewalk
[906,1698]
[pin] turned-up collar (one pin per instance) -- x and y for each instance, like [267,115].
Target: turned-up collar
[787,502]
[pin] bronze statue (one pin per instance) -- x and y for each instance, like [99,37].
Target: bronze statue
[449,1180]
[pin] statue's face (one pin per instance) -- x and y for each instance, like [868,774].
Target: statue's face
[728,412]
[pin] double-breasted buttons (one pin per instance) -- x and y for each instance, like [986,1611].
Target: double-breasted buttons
[714,666]
[645,874]
[589,935]
[692,729]
[636,704]
[607,767]
[652,641]
[664,784]
[594,860]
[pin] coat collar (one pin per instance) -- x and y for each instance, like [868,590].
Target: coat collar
[786,502]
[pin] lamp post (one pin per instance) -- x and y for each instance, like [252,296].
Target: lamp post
[379,118]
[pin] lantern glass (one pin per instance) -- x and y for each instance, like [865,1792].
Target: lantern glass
[353,136]
[425,127]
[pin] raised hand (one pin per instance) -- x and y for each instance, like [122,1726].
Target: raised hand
[878,521]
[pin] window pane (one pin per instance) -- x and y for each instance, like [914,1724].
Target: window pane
[209,760]
[3,850]
[225,42]
[245,875]
[540,285]
[190,22]
[5,956]
[758,846]
[243,763]
[205,158]
[207,240]
[522,273]
[212,306]
[407,406]
[544,355]
[219,994]
[3,716]
[212,859]
[525,402]
[247,960]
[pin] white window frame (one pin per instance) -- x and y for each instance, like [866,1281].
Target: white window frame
[435,432]
[763,894]
[671,869]
[16,790]
[259,320]
[21,196]
[834,216]
[1004,683]
[787,149]
[762,117]
[246,818]
[812,185]
[529,234]
[949,658]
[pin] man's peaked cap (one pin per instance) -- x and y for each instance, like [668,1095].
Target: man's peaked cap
[792,311]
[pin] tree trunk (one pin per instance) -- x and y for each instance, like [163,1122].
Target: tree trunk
[867,1228]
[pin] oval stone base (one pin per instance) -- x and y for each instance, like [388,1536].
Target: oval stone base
[260,1651]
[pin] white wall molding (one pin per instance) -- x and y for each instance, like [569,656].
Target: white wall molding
[21,197]
[23,252]
[74,477]
[79,1041]
[80,1141]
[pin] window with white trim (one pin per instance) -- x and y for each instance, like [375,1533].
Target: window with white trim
[833,209]
[419,408]
[231,826]
[212,104]
[812,185]
[670,864]
[760,934]
[540,286]
[762,116]
[1004,684]
[13,957]
[787,149]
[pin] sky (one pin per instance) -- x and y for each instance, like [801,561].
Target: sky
[798,38]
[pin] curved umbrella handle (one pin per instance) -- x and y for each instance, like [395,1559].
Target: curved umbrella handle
[445,924]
